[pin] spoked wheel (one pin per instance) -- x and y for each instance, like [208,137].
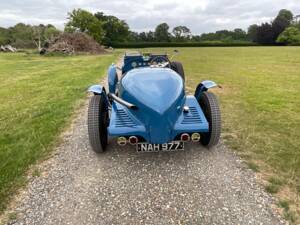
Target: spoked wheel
[209,104]
[177,67]
[97,123]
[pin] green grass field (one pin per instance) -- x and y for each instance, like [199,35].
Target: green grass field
[260,102]
[38,96]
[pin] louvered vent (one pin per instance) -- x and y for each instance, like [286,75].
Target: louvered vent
[192,117]
[123,120]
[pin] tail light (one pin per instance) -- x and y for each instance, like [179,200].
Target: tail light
[185,137]
[133,140]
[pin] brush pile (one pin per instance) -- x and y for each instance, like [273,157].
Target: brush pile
[74,43]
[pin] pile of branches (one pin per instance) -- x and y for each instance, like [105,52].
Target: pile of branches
[73,43]
[7,48]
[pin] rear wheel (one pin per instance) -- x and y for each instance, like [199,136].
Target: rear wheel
[177,67]
[97,123]
[209,104]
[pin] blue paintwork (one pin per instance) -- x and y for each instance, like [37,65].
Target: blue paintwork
[157,91]
[96,89]
[112,79]
[125,123]
[159,95]
[193,121]
[204,86]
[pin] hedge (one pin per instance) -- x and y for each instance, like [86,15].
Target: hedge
[180,44]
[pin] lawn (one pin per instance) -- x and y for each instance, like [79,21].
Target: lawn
[260,100]
[38,96]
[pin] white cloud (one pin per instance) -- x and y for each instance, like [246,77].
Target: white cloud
[199,15]
[223,21]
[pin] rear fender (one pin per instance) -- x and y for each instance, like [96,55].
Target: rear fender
[99,90]
[96,89]
[204,86]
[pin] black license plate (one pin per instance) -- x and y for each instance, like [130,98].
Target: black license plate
[168,147]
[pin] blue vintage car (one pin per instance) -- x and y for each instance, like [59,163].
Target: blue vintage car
[148,107]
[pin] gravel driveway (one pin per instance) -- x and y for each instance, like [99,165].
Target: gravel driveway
[196,186]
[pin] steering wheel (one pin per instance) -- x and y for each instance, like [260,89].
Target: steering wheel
[160,60]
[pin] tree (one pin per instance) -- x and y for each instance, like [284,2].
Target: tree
[42,35]
[116,30]
[143,37]
[84,21]
[209,37]
[133,36]
[281,22]
[51,32]
[223,35]
[161,33]
[38,35]
[296,22]
[290,35]
[265,34]
[268,33]
[252,33]
[5,37]
[27,36]
[21,36]
[150,36]
[239,34]
[196,38]
[181,33]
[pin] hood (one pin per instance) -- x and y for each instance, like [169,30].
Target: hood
[159,95]
[156,88]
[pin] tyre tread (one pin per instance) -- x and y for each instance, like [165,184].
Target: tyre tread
[94,123]
[178,68]
[210,101]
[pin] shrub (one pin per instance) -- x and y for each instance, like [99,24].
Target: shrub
[290,35]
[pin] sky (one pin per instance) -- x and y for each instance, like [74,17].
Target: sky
[142,15]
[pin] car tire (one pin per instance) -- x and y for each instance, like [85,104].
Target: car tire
[210,106]
[177,67]
[97,123]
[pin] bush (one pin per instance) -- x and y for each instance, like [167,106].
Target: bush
[290,35]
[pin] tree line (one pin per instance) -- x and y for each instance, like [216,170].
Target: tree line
[285,28]
[108,29]
[27,36]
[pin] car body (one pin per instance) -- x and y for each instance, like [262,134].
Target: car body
[149,105]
